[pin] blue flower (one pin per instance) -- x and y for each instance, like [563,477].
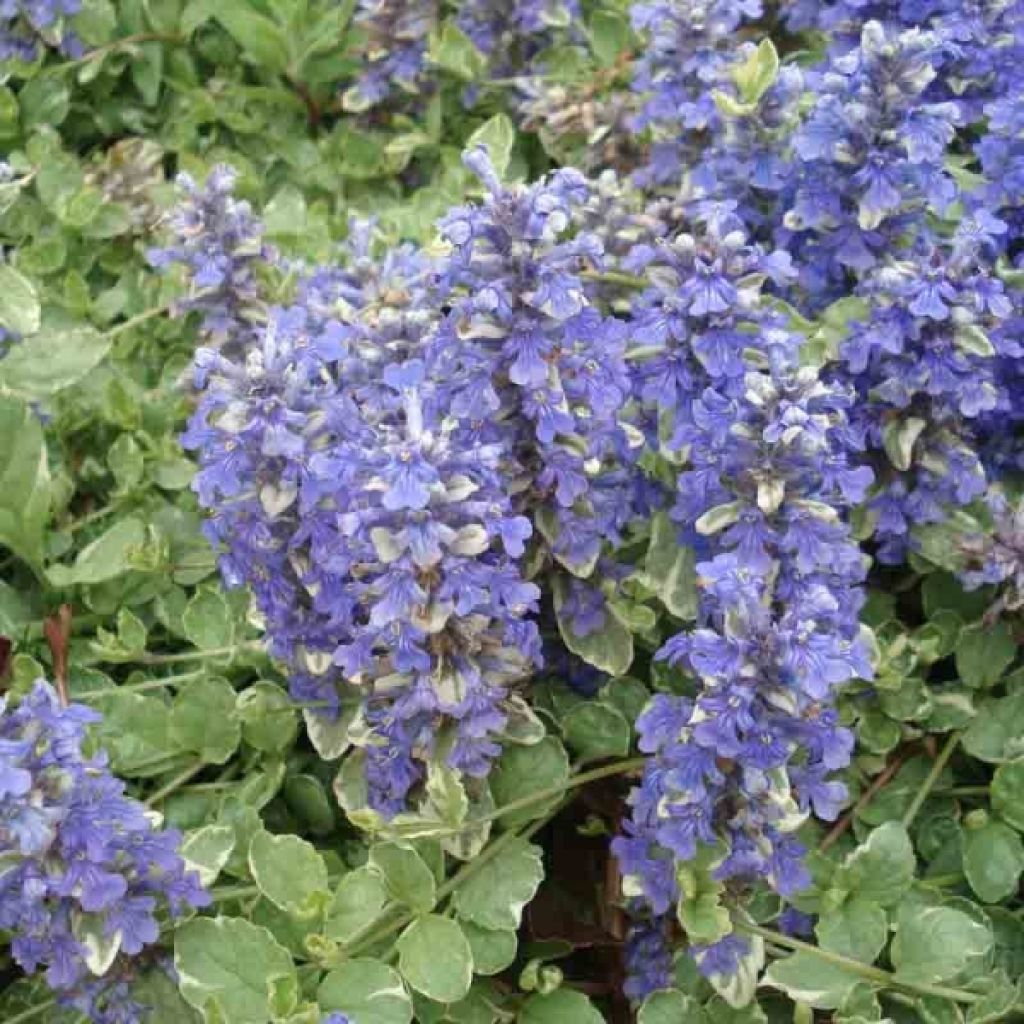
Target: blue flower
[80,854]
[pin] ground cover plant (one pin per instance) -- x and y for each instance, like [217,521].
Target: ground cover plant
[511,512]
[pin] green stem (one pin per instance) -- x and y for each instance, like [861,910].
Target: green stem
[234,892]
[213,652]
[931,778]
[886,979]
[175,784]
[149,684]
[373,934]
[32,1012]
[139,318]
[111,47]
[614,277]
[963,791]
[617,768]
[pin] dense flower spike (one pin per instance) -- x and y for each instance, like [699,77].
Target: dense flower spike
[377,535]
[514,35]
[27,25]
[85,872]
[871,159]
[687,44]
[525,358]
[924,368]
[395,49]
[217,240]
[766,470]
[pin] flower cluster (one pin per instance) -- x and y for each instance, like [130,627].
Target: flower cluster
[513,34]
[370,517]
[27,25]
[525,359]
[395,35]
[922,364]
[85,871]
[217,240]
[395,49]
[767,468]
[870,159]
[996,556]
[430,616]
[688,42]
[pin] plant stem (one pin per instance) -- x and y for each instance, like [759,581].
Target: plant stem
[885,979]
[32,1012]
[149,684]
[963,791]
[614,277]
[139,318]
[176,783]
[617,768]
[372,934]
[235,892]
[213,652]
[116,44]
[931,778]
[882,780]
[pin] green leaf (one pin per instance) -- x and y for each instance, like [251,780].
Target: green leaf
[703,917]
[498,135]
[1008,793]
[51,361]
[263,42]
[494,897]
[563,1006]
[982,654]
[306,797]
[45,100]
[858,930]
[999,997]
[881,869]
[596,730]
[408,877]
[358,901]
[228,969]
[19,304]
[756,75]
[807,978]
[669,569]
[609,648]
[207,619]
[996,734]
[434,957]
[269,722]
[366,991]
[24,481]
[993,860]
[934,944]
[204,719]
[207,849]
[610,36]
[104,559]
[970,338]
[718,518]
[493,951]
[667,1006]
[289,872]
[899,438]
[136,731]
[522,771]
[125,460]
[454,51]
